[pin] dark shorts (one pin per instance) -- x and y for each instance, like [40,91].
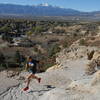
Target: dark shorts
[32,71]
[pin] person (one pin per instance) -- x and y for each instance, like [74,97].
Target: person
[31,67]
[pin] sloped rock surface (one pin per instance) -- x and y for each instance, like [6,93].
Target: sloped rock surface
[68,82]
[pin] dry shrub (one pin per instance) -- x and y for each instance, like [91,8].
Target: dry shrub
[90,55]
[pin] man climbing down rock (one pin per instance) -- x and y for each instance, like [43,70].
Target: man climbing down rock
[31,67]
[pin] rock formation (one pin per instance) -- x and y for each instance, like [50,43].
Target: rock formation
[67,80]
[93,64]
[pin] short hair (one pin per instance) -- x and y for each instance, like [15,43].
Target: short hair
[30,57]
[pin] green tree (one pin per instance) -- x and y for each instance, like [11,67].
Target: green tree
[38,29]
[6,37]
[2,59]
[29,33]
[5,29]
[18,57]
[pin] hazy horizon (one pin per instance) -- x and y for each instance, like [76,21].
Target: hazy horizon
[86,5]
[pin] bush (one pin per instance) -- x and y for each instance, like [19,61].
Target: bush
[82,42]
[45,64]
[58,31]
[29,33]
[5,29]
[7,38]
[65,45]
[19,59]
[90,55]
[38,29]
[53,50]
[2,61]
[2,58]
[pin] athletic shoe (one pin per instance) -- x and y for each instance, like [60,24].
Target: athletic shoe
[25,89]
[39,80]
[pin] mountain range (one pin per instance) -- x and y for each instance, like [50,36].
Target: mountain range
[44,10]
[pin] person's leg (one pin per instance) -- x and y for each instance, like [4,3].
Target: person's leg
[28,82]
[29,79]
[32,76]
[35,77]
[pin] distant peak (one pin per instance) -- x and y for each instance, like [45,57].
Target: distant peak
[44,4]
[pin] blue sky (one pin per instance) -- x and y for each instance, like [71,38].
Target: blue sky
[82,5]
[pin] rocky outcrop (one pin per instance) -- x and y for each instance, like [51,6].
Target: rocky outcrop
[96,80]
[93,64]
[55,67]
[54,84]
[55,94]
[85,89]
[73,53]
[64,81]
[50,80]
[90,67]
[6,83]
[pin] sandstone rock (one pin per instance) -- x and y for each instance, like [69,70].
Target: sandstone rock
[96,80]
[64,81]
[54,68]
[55,94]
[12,74]
[94,62]
[80,86]
[90,67]
[74,53]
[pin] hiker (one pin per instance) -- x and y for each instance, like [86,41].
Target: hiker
[31,67]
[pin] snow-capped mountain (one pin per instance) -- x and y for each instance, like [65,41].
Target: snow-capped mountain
[44,4]
[37,10]
[44,10]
